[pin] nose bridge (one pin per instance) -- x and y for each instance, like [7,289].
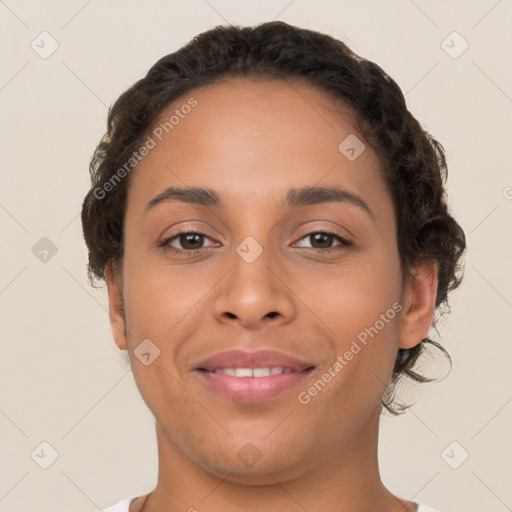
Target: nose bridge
[252,266]
[253,290]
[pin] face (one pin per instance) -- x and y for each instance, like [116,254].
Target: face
[260,261]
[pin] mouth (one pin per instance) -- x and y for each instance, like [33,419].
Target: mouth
[251,376]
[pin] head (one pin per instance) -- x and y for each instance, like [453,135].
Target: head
[317,221]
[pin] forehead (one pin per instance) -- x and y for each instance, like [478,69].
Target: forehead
[252,140]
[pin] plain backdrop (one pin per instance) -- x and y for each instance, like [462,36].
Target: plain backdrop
[64,383]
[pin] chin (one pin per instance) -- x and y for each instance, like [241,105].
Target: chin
[253,465]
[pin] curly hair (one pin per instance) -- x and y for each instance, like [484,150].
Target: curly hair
[414,162]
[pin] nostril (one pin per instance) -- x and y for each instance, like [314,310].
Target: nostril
[272,314]
[230,315]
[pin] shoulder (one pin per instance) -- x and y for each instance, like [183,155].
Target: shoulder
[122,506]
[424,508]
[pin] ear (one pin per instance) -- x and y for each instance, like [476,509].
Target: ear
[419,303]
[115,306]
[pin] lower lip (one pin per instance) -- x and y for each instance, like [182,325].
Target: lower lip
[252,390]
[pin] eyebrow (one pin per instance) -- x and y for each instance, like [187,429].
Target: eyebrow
[295,197]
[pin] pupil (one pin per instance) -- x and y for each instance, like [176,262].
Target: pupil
[322,238]
[189,239]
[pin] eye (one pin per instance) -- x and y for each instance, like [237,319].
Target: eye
[192,242]
[189,242]
[322,241]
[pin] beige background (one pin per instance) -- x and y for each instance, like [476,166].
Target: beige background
[63,380]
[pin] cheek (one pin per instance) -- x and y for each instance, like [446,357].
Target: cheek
[350,297]
[359,304]
[159,296]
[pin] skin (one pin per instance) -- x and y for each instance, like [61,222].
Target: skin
[250,141]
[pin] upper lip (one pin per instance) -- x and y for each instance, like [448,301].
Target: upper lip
[263,358]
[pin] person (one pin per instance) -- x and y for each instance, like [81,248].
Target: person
[272,227]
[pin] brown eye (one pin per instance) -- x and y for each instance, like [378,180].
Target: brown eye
[191,241]
[186,242]
[321,240]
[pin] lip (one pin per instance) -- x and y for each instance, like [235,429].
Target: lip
[252,359]
[251,390]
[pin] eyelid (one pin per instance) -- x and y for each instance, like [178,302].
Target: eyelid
[189,226]
[335,230]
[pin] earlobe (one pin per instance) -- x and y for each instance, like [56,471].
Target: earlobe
[419,305]
[115,307]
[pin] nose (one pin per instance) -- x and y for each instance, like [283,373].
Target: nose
[255,295]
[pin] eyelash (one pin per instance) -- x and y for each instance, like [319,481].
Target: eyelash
[165,244]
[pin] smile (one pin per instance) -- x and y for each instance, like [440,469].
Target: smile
[253,372]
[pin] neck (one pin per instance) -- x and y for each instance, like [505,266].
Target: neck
[345,479]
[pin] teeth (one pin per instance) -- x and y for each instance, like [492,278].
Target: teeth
[253,372]
[262,372]
[244,372]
